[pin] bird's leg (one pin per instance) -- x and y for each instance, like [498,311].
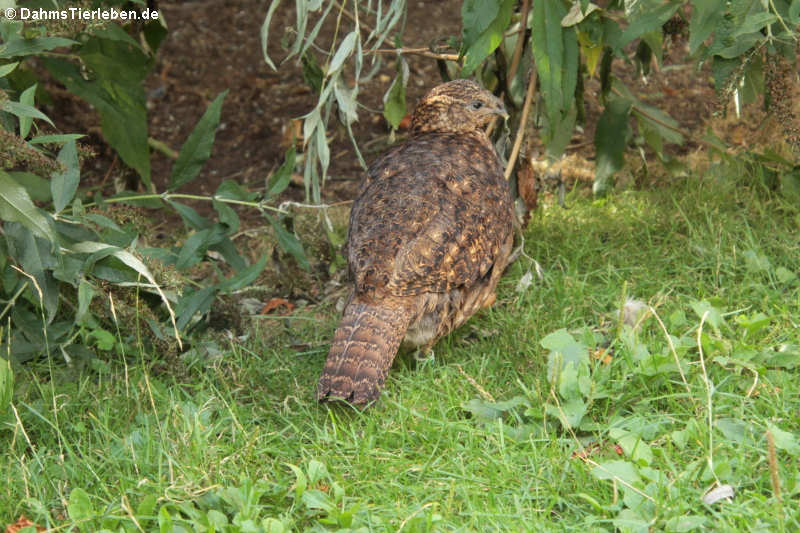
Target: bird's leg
[424,353]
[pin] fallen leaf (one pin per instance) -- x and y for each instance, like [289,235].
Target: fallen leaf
[273,306]
[22,523]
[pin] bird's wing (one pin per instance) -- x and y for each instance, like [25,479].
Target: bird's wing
[431,216]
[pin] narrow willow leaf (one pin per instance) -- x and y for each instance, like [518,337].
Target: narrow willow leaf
[27,98]
[346,100]
[63,185]
[343,52]
[394,101]
[197,148]
[23,111]
[16,206]
[59,138]
[282,177]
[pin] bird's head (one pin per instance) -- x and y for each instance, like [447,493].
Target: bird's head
[455,107]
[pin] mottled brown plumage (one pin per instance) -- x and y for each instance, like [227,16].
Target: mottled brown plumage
[430,234]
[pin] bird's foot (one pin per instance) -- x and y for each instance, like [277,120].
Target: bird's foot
[422,355]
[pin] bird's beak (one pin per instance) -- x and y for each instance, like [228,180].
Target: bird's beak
[500,109]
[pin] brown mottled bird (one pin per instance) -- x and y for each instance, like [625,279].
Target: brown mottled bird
[430,235]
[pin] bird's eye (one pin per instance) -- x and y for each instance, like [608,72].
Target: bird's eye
[476,104]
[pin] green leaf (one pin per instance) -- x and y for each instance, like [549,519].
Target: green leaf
[316,471]
[563,343]
[197,148]
[633,445]
[227,216]
[647,19]
[343,52]
[195,302]
[229,252]
[60,138]
[714,316]
[16,206]
[754,23]
[132,262]
[555,50]
[231,190]
[312,73]
[316,499]
[6,385]
[86,292]
[394,101]
[38,188]
[244,277]
[707,16]
[265,33]
[487,39]
[105,339]
[611,138]
[282,177]
[116,90]
[493,410]
[346,101]
[785,440]
[301,482]
[27,98]
[194,248]
[659,121]
[476,16]
[79,507]
[24,111]
[164,520]
[27,47]
[623,470]
[190,217]
[288,242]
[64,184]
[5,70]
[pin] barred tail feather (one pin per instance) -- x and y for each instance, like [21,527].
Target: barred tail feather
[362,351]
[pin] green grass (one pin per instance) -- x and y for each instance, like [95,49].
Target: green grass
[129,446]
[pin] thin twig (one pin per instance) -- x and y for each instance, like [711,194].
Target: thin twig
[526,108]
[526,5]
[425,52]
[354,18]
